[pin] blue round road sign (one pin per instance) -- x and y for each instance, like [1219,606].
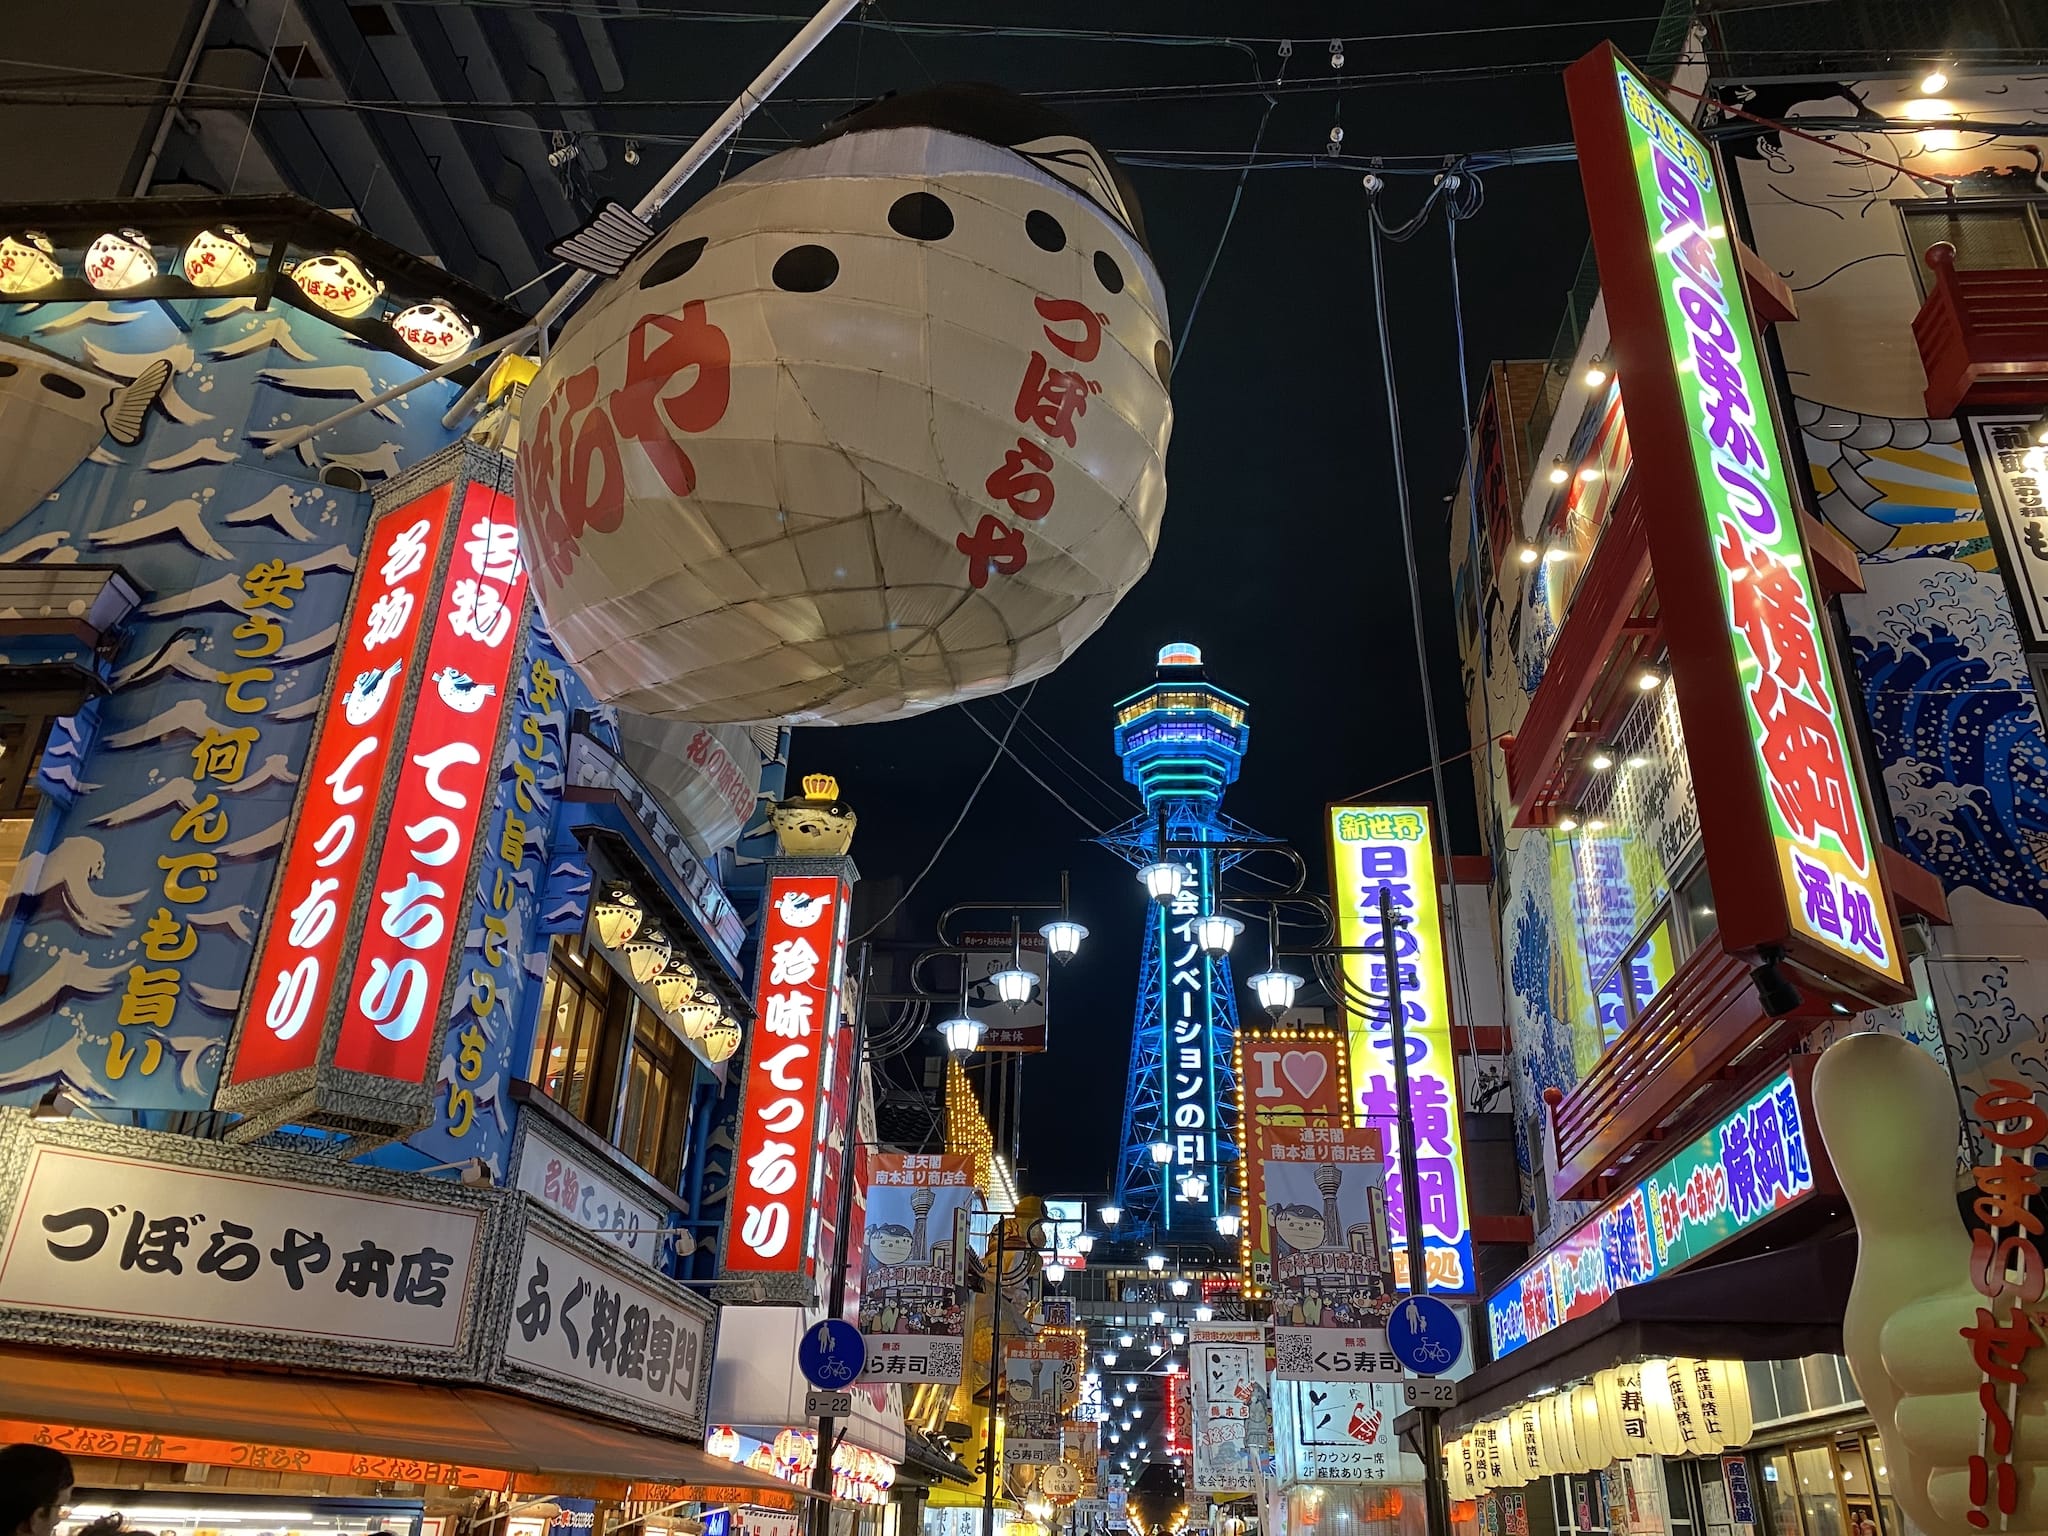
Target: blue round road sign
[1424,1335]
[831,1354]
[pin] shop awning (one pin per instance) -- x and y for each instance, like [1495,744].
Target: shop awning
[1782,1305]
[465,1427]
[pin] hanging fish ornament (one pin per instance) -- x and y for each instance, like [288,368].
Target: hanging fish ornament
[878,425]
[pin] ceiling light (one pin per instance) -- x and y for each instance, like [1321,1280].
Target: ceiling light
[1559,473]
[1649,678]
[1934,82]
[1600,761]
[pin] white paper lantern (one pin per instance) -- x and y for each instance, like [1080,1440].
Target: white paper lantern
[1588,1430]
[119,260]
[219,258]
[1711,1398]
[1559,1435]
[337,283]
[1624,1412]
[28,264]
[878,425]
[434,331]
[1489,1469]
[1667,1437]
[721,1038]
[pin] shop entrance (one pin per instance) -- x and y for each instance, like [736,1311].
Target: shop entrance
[1837,1486]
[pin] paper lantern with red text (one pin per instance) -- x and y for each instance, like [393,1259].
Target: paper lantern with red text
[878,425]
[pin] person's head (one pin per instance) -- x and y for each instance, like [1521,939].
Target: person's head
[35,1485]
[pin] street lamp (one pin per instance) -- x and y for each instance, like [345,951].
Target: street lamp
[1204,1313]
[1215,933]
[962,1035]
[1227,1223]
[1063,938]
[1275,990]
[1131,1385]
[1014,986]
[1162,881]
[1178,1285]
[1158,1317]
[1116,1400]
[1125,1340]
[1156,1261]
[1085,1243]
[1194,1186]
[1179,1336]
[1162,1151]
[1109,1357]
[1110,1214]
[1054,1271]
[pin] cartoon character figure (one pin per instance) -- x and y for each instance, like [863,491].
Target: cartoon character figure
[461,692]
[891,1244]
[1300,1228]
[366,695]
[54,412]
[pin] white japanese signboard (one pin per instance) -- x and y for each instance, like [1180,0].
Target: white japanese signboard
[562,1181]
[99,1235]
[1339,1432]
[600,1330]
[1226,1361]
[2015,471]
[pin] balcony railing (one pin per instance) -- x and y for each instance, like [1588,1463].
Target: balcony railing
[1983,335]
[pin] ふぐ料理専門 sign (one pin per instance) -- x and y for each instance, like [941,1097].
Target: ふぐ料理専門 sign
[1755,1161]
[1375,848]
[1794,856]
[776,1177]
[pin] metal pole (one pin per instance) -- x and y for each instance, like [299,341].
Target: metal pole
[835,1300]
[995,1384]
[1436,1494]
[170,117]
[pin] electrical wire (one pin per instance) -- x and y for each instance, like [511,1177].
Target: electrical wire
[1180,347]
[994,758]
[1003,747]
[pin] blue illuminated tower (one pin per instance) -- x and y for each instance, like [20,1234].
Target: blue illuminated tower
[1181,741]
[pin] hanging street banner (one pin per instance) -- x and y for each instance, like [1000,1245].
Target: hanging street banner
[1286,1077]
[1226,1363]
[1326,1204]
[1794,854]
[1759,1159]
[910,1311]
[1034,1371]
[1337,1431]
[1391,848]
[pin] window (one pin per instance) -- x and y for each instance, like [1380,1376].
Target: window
[1649,961]
[658,1076]
[1987,236]
[574,1001]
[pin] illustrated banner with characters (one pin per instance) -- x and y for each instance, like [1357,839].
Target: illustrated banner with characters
[910,1309]
[1034,1371]
[1326,1211]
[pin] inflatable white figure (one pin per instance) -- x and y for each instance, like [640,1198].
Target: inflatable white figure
[1888,1114]
[877,425]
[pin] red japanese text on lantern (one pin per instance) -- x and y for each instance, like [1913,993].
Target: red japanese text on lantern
[295,972]
[2006,1269]
[573,469]
[445,775]
[796,1001]
[1052,399]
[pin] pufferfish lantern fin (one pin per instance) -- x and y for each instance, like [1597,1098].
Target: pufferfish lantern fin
[1081,166]
[611,237]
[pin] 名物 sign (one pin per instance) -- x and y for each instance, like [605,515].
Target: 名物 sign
[566,1184]
[1755,1161]
[774,1226]
[1794,856]
[1286,1078]
[1376,848]
[1326,1205]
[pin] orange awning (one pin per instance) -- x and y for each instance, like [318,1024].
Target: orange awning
[379,1428]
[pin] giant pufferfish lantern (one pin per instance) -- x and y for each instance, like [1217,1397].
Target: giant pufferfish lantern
[878,425]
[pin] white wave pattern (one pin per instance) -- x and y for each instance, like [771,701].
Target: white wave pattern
[275,509]
[67,873]
[1962,602]
[182,519]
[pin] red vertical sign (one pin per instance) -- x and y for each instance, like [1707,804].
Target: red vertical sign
[446,772]
[796,1000]
[296,971]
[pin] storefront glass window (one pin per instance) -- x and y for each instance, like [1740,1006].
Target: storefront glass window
[651,1119]
[1780,1486]
[574,999]
[1820,1502]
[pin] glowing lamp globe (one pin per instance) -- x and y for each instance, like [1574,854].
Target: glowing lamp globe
[1085,1243]
[1157,1261]
[646,952]
[879,424]
[1227,1224]
[1158,1317]
[1126,1340]
[337,283]
[1275,990]
[218,258]
[1110,1214]
[1014,986]
[1162,880]
[674,984]
[434,331]
[1063,938]
[1205,1313]
[28,264]
[962,1035]
[1178,1335]
[1162,1151]
[1055,1272]
[119,260]
[1109,1358]
[1194,1186]
[722,1039]
[616,915]
[1178,1285]
[1215,934]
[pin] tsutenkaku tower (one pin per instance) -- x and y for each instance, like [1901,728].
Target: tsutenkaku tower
[1181,741]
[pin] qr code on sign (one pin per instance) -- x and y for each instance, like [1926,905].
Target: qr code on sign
[945,1358]
[1294,1357]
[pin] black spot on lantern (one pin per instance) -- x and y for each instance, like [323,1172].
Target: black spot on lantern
[670,265]
[921,216]
[1045,230]
[1108,273]
[805,269]
[1162,359]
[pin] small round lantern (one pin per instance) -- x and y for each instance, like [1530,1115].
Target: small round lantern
[434,331]
[337,283]
[675,984]
[696,1014]
[646,952]
[722,1039]
[119,260]
[616,914]
[219,258]
[28,264]
[724,1443]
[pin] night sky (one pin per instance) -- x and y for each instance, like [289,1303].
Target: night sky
[1280,554]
